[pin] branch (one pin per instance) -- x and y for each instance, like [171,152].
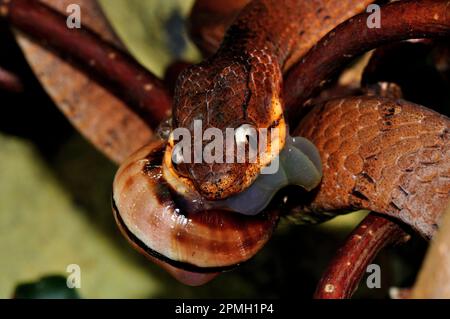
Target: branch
[434,278]
[399,21]
[348,266]
[125,77]
[10,82]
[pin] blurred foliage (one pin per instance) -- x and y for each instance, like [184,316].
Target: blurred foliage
[154,31]
[43,229]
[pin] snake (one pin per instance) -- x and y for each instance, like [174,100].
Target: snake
[197,219]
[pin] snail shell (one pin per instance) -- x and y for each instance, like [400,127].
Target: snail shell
[192,246]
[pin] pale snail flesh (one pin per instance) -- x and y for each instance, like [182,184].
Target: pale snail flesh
[195,239]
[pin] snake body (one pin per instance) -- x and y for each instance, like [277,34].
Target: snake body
[386,156]
[391,157]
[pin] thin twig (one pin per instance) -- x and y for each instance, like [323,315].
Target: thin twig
[10,82]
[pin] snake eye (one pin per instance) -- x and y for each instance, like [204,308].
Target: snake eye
[164,129]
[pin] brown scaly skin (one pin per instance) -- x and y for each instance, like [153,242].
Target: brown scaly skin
[390,157]
[209,20]
[405,205]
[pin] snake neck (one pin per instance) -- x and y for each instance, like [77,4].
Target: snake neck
[264,28]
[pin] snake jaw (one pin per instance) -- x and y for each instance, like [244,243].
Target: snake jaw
[218,181]
[299,164]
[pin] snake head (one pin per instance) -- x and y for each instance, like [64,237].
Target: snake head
[192,238]
[231,120]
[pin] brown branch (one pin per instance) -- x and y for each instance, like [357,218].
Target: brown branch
[10,82]
[348,266]
[125,77]
[399,21]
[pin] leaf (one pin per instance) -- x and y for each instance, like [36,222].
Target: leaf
[154,31]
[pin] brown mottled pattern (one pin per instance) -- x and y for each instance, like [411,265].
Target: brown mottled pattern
[388,157]
[227,94]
